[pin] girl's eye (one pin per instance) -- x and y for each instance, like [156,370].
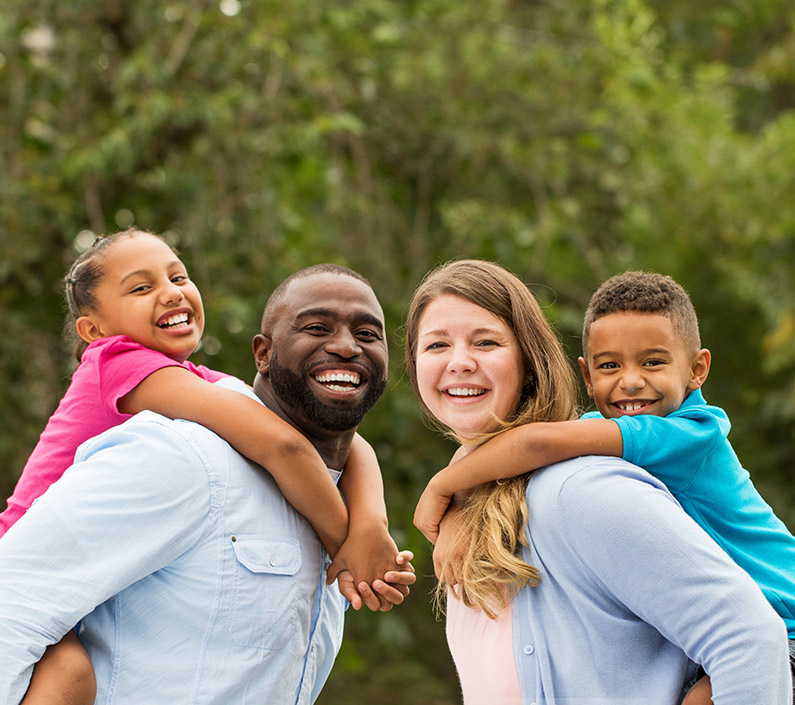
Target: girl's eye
[179,278]
[608,366]
[140,288]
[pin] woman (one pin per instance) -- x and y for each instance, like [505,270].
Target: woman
[561,602]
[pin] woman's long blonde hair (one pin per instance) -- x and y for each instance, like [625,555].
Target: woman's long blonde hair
[495,514]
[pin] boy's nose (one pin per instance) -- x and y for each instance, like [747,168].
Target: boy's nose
[632,380]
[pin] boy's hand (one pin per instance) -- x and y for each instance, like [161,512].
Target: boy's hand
[448,553]
[430,509]
[383,594]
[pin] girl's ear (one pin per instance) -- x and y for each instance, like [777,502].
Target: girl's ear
[262,345]
[586,375]
[699,369]
[88,329]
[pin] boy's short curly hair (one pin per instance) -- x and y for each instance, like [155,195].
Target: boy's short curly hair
[645,292]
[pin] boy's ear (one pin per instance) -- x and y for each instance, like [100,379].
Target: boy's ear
[88,329]
[586,375]
[699,369]
[263,345]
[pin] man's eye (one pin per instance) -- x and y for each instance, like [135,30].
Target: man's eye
[315,328]
[368,335]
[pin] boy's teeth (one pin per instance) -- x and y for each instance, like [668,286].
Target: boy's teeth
[634,406]
[465,392]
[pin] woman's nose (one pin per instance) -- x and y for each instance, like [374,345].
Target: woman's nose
[461,360]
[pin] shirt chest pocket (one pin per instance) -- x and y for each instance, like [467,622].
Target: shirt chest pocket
[264,603]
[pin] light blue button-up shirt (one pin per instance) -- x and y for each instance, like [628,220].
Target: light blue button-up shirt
[196,582]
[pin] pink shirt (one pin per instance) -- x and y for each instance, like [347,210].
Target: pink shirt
[110,369]
[482,649]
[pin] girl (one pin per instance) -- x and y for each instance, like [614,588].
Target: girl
[138,317]
[584,581]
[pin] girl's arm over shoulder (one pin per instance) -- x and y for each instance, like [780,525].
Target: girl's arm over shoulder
[255,432]
[512,453]
[369,552]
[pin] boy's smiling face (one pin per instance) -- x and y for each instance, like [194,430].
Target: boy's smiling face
[636,363]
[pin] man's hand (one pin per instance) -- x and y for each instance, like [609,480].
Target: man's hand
[384,593]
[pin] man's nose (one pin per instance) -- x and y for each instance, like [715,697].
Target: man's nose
[344,344]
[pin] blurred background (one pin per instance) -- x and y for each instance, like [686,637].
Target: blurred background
[567,139]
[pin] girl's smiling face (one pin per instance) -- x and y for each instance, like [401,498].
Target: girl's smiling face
[470,369]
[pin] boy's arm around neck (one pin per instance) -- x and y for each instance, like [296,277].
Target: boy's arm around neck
[512,453]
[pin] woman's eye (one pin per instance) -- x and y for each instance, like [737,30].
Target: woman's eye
[487,343]
[435,346]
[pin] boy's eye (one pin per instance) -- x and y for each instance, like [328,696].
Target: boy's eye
[608,366]
[654,363]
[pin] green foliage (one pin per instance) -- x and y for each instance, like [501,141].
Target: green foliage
[568,140]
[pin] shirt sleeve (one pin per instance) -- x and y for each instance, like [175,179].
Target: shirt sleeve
[672,448]
[113,518]
[631,537]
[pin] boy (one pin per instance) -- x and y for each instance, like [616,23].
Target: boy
[644,366]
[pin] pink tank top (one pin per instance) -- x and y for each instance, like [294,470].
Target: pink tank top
[482,650]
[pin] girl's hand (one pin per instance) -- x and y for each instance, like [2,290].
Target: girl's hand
[383,594]
[430,509]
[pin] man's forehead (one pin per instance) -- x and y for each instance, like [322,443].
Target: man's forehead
[331,294]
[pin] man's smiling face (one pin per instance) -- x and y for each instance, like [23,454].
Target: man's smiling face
[327,359]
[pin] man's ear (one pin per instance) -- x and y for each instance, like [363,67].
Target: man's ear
[586,375]
[699,369]
[263,345]
[88,329]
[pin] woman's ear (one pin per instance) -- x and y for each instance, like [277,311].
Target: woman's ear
[699,369]
[88,329]
[263,346]
[586,375]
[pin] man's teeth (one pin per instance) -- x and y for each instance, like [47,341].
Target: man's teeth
[336,380]
[175,320]
[466,392]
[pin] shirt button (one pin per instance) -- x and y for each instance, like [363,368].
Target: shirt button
[529,649]
[272,561]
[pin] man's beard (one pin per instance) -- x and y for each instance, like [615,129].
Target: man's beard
[295,391]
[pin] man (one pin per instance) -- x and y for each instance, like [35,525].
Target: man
[194,579]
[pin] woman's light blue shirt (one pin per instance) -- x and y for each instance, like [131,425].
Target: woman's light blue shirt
[196,582]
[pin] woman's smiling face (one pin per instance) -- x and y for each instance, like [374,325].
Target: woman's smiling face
[470,370]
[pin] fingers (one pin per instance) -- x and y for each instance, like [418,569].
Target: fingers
[348,589]
[400,577]
[373,601]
